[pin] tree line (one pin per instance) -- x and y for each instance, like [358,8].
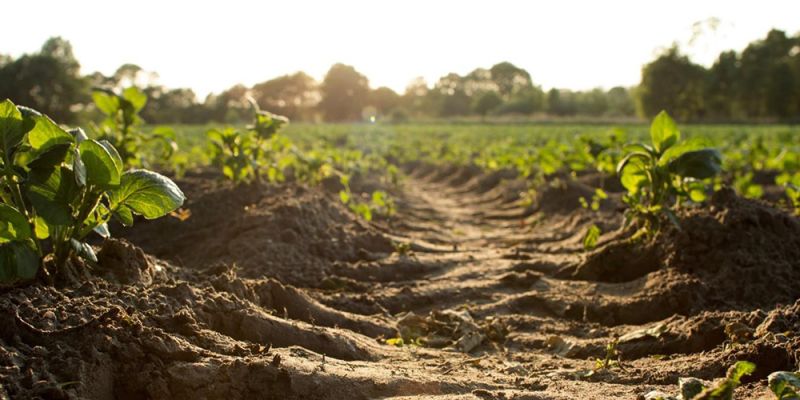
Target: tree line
[760,83]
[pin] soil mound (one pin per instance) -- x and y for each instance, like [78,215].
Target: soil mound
[287,232]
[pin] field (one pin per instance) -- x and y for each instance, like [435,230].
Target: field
[437,261]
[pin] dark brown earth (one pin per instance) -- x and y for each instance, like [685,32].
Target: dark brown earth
[282,293]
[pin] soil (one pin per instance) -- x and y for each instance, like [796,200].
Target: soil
[280,292]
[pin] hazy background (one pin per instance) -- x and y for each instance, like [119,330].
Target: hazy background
[210,46]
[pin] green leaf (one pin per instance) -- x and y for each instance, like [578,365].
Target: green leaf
[135,97]
[13,224]
[639,156]
[52,193]
[102,168]
[591,237]
[634,175]
[664,132]
[40,228]
[696,191]
[11,126]
[784,385]
[695,143]
[18,261]
[147,193]
[698,164]
[50,158]
[740,369]
[124,215]
[106,102]
[46,133]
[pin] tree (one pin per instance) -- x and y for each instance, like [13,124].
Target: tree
[766,77]
[384,100]
[230,105]
[486,102]
[48,81]
[344,94]
[510,79]
[620,103]
[449,97]
[672,83]
[294,96]
[722,87]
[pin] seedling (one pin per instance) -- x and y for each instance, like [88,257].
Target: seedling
[121,127]
[724,389]
[57,187]
[663,174]
[612,357]
[242,155]
[695,389]
[403,249]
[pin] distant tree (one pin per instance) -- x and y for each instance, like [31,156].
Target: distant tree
[344,94]
[48,81]
[672,83]
[620,103]
[722,87]
[229,106]
[486,103]
[560,102]
[294,96]
[384,99]
[478,82]
[415,99]
[449,96]
[766,78]
[172,106]
[510,79]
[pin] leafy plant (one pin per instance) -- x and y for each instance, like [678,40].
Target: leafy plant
[612,357]
[379,202]
[695,389]
[792,185]
[785,385]
[724,389]
[57,187]
[598,196]
[664,173]
[243,154]
[121,127]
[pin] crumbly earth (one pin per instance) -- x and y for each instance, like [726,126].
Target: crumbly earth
[281,293]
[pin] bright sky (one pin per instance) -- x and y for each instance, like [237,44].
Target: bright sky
[210,46]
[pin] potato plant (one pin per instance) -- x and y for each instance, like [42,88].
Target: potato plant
[59,186]
[244,155]
[122,126]
[664,174]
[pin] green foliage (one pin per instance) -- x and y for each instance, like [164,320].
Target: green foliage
[244,155]
[785,385]
[57,187]
[591,237]
[792,184]
[723,390]
[380,202]
[121,126]
[668,171]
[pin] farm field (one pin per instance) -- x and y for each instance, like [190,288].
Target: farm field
[442,261]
